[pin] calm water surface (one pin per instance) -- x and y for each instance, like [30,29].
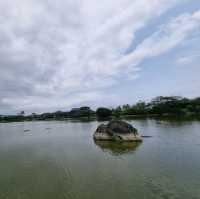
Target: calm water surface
[60,160]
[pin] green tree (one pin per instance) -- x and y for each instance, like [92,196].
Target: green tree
[103,112]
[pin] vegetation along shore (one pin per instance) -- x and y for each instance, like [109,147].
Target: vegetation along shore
[159,107]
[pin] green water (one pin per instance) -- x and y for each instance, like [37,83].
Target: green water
[60,160]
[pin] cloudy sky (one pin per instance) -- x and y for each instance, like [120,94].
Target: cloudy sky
[55,55]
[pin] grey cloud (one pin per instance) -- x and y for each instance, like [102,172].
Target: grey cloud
[53,52]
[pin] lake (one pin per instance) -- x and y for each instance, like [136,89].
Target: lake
[60,160]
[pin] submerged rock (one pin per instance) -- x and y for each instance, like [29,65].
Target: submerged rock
[117,130]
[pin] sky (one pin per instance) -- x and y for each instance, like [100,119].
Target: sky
[55,55]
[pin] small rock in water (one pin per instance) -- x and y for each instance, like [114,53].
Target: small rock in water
[146,136]
[27,130]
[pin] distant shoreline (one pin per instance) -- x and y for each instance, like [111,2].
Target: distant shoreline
[124,117]
[159,107]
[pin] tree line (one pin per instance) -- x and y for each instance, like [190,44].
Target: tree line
[159,106]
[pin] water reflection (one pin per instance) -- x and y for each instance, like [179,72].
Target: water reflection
[117,148]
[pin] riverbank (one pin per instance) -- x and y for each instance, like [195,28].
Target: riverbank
[95,118]
[165,107]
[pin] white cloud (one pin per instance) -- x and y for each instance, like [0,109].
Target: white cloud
[168,37]
[188,59]
[54,51]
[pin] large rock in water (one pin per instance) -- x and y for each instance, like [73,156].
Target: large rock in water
[117,130]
